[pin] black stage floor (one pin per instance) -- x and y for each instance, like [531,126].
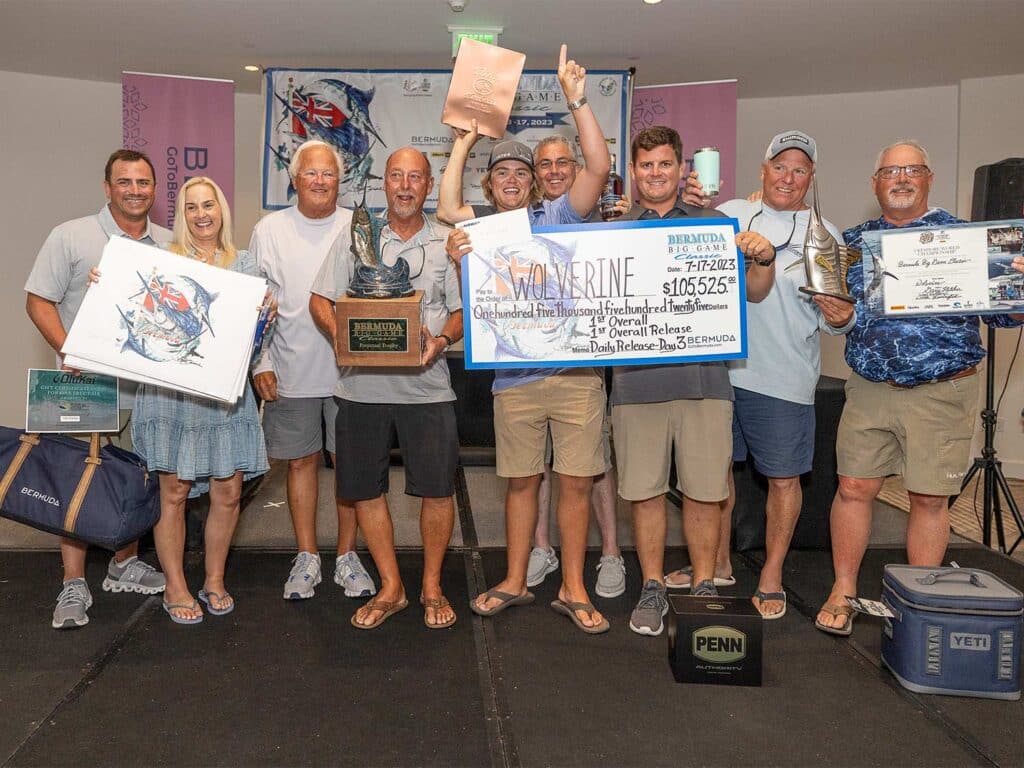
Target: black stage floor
[282,683]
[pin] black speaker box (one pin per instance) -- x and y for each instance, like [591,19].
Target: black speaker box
[998,190]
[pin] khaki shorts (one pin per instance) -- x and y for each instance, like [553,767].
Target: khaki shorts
[922,433]
[606,444]
[701,431]
[571,404]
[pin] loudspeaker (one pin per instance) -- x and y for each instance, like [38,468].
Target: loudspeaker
[998,190]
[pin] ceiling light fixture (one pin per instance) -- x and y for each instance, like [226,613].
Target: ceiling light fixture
[251,68]
[651,2]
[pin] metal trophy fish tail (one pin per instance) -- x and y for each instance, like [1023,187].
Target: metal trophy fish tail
[826,260]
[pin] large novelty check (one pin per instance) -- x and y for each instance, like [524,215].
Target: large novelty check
[623,293]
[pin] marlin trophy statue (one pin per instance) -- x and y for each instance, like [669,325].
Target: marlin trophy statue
[371,278]
[826,260]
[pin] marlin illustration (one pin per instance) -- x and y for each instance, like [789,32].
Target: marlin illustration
[167,326]
[826,260]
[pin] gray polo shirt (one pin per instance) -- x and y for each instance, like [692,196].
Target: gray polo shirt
[432,272]
[61,271]
[679,381]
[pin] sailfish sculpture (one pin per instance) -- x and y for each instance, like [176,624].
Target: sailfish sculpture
[826,260]
[371,278]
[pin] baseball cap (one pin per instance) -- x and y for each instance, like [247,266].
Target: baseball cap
[510,150]
[792,140]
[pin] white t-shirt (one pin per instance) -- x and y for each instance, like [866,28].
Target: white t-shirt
[289,249]
[784,354]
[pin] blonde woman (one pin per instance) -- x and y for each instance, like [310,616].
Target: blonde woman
[196,444]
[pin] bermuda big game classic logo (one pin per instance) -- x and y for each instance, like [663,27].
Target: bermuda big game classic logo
[719,645]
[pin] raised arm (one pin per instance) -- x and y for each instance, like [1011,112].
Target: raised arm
[451,208]
[585,192]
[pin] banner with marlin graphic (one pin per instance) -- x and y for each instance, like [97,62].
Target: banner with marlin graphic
[159,318]
[367,114]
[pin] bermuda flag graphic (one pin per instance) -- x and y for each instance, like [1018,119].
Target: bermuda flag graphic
[314,108]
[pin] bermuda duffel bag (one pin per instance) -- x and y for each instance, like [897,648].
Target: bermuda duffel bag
[74,488]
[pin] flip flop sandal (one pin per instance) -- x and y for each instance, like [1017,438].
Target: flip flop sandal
[773,596]
[204,598]
[569,609]
[168,607]
[436,603]
[720,581]
[386,608]
[835,611]
[506,600]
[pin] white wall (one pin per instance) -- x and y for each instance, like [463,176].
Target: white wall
[992,129]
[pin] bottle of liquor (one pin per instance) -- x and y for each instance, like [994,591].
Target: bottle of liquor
[613,191]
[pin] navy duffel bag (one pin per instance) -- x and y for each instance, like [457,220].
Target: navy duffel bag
[73,488]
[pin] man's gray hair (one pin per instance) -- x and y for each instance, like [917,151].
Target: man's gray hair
[902,143]
[296,161]
[554,138]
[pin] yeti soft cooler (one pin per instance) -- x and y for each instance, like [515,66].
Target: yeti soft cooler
[956,631]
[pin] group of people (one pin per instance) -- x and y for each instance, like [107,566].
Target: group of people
[910,406]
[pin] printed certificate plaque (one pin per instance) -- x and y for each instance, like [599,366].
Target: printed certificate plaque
[622,293]
[59,401]
[957,269]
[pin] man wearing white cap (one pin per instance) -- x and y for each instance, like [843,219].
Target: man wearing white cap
[773,417]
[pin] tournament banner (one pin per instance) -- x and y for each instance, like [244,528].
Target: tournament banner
[956,269]
[703,113]
[186,125]
[622,293]
[367,114]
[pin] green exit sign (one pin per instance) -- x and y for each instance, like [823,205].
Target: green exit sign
[489,36]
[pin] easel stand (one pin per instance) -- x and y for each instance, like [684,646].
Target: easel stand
[991,468]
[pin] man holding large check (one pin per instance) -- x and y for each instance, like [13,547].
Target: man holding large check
[685,405]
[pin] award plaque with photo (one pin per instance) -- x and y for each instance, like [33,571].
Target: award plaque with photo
[62,401]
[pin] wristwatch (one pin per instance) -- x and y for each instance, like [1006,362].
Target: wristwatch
[574,105]
[447,339]
[765,262]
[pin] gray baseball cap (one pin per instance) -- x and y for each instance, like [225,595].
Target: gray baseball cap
[510,150]
[792,140]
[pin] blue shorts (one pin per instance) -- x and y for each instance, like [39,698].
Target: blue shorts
[778,434]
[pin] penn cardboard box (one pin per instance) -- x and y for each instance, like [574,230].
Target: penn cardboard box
[379,332]
[714,640]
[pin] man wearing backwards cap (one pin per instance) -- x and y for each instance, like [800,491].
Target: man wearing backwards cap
[773,416]
[527,401]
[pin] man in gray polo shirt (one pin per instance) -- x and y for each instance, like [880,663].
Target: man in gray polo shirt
[685,406]
[55,289]
[415,403]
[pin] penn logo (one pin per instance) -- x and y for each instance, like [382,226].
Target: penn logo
[719,645]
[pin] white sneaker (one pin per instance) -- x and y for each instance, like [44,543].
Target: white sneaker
[305,575]
[350,574]
[611,576]
[542,562]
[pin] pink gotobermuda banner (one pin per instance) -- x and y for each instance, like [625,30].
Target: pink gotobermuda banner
[703,113]
[186,126]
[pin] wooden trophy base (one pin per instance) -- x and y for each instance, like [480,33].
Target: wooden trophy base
[379,332]
[840,296]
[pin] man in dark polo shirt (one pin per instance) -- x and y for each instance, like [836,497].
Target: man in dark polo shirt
[686,406]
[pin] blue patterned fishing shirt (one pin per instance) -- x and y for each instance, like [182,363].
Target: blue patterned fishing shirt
[910,350]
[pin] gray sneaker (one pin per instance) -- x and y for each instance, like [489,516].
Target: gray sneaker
[705,588]
[133,575]
[350,574]
[542,562]
[72,603]
[611,576]
[304,576]
[647,617]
